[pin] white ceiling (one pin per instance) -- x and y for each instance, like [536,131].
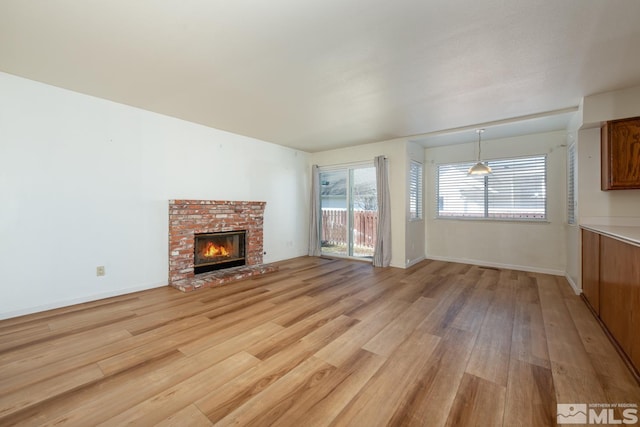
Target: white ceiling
[321,74]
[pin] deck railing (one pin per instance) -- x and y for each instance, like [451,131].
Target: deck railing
[334,227]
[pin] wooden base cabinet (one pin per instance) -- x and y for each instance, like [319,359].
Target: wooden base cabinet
[620,294]
[611,284]
[591,268]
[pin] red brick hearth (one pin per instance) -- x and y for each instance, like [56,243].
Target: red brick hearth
[188,217]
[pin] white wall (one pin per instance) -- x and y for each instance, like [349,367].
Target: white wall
[596,205]
[86,182]
[521,245]
[619,104]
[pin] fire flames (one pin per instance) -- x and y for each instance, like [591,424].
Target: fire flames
[212,250]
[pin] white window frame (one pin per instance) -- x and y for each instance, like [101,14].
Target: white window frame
[480,188]
[416,177]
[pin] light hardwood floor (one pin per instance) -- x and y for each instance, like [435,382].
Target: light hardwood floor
[321,342]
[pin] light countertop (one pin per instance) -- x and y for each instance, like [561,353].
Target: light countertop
[629,234]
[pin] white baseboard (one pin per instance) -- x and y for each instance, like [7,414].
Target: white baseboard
[573,284]
[414,262]
[482,263]
[81,300]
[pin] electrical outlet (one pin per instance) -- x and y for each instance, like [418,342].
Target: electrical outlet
[100,270]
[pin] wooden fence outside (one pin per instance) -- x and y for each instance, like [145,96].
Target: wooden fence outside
[334,227]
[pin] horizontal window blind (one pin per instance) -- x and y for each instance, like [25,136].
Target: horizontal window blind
[516,190]
[415,190]
[571,184]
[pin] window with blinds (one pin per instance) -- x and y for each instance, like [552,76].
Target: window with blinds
[516,190]
[571,184]
[415,190]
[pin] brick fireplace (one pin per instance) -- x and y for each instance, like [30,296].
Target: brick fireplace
[188,218]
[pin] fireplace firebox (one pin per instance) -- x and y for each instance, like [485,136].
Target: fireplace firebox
[216,251]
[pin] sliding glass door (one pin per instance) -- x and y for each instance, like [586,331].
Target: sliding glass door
[349,206]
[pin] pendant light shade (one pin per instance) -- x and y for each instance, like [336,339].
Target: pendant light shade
[479,168]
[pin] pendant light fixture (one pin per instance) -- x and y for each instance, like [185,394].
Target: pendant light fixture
[479,168]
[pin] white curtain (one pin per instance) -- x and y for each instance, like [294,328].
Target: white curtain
[314,219]
[382,254]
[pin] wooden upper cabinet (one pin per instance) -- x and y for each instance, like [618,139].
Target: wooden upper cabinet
[620,154]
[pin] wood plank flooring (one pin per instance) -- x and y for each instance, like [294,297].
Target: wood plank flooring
[321,342]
